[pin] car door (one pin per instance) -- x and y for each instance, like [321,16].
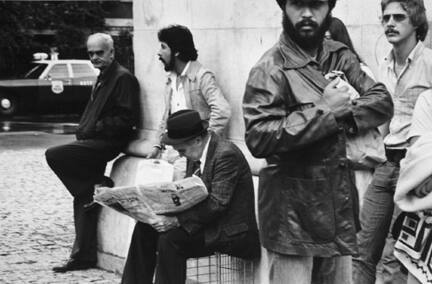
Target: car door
[83,79]
[55,89]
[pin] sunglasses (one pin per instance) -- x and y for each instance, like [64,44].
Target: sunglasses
[396,17]
[98,53]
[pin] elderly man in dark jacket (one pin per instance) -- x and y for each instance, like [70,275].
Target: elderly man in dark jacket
[223,222]
[299,121]
[104,130]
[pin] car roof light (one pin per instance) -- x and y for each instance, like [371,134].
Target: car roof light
[40,56]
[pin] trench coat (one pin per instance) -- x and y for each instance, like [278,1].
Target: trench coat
[308,203]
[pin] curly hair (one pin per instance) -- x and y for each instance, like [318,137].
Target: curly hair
[179,39]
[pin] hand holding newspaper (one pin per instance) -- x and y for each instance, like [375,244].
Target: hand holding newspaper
[365,149]
[146,203]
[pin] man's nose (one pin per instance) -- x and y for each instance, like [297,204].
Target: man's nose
[391,22]
[307,12]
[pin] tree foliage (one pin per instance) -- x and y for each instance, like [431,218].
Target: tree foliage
[65,23]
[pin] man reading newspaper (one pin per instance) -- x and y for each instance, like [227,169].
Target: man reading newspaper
[223,222]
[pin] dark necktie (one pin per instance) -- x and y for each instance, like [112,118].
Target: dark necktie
[196,168]
[95,89]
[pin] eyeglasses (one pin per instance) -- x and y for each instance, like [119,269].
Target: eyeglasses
[98,53]
[396,17]
[317,4]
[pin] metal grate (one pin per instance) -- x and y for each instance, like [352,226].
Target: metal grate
[219,269]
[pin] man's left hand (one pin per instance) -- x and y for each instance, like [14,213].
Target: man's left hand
[165,223]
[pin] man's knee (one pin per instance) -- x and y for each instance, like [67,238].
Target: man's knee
[53,156]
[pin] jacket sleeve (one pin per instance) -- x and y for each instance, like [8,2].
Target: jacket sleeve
[271,127]
[123,114]
[374,106]
[220,110]
[222,185]
[162,124]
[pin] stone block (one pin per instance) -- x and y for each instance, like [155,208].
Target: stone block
[115,229]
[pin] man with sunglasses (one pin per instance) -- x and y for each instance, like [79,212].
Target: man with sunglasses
[406,72]
[298,121]
[105,128]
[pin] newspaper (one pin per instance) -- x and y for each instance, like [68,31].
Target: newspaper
[146,202]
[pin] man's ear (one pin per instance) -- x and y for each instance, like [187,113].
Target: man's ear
[199,140]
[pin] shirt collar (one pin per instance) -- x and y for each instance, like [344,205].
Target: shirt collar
[185,69]
[295,57]
[204,155]
[173,75]
[414,54]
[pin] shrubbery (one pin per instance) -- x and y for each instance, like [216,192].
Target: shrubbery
[64,25]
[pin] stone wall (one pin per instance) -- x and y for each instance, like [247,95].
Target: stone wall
[230,36]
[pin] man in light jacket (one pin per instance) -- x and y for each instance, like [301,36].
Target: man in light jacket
[189,84]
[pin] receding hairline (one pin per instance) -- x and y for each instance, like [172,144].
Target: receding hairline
[105,38]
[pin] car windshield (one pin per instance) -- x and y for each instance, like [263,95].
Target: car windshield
[35,71]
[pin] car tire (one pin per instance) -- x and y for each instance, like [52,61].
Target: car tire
[8,105]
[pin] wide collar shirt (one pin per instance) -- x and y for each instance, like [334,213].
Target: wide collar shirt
[415,77]
[178,99]
[204,155]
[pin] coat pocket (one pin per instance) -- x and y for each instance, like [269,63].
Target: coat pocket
[312,202]
[240,241]
[232,230]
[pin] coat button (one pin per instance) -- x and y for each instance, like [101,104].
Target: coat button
[342,164]
[320,112]
[354,103]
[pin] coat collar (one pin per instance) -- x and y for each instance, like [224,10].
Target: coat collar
[191,72]
[107,73]
[294,57]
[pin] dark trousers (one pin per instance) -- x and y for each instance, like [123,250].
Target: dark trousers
[167,252]
[80,165]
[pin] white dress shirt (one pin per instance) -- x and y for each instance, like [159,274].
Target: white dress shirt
[178,100]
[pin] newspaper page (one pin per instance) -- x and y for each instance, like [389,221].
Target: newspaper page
[145,202]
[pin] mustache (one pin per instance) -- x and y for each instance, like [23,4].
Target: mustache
[161,59]
[391,31]
[306,22]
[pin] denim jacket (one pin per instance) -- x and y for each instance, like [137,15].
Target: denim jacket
[203,95]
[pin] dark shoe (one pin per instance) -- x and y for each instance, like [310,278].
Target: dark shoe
[74,265]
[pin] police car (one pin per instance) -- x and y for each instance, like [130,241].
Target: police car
[51,86]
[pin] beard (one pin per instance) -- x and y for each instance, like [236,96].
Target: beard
[306,41]
[170,65]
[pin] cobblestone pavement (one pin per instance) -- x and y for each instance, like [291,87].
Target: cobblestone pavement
[36,227]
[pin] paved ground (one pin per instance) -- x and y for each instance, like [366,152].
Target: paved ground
[36,229]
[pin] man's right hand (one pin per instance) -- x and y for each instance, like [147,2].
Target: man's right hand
[155,153]
[335,97]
